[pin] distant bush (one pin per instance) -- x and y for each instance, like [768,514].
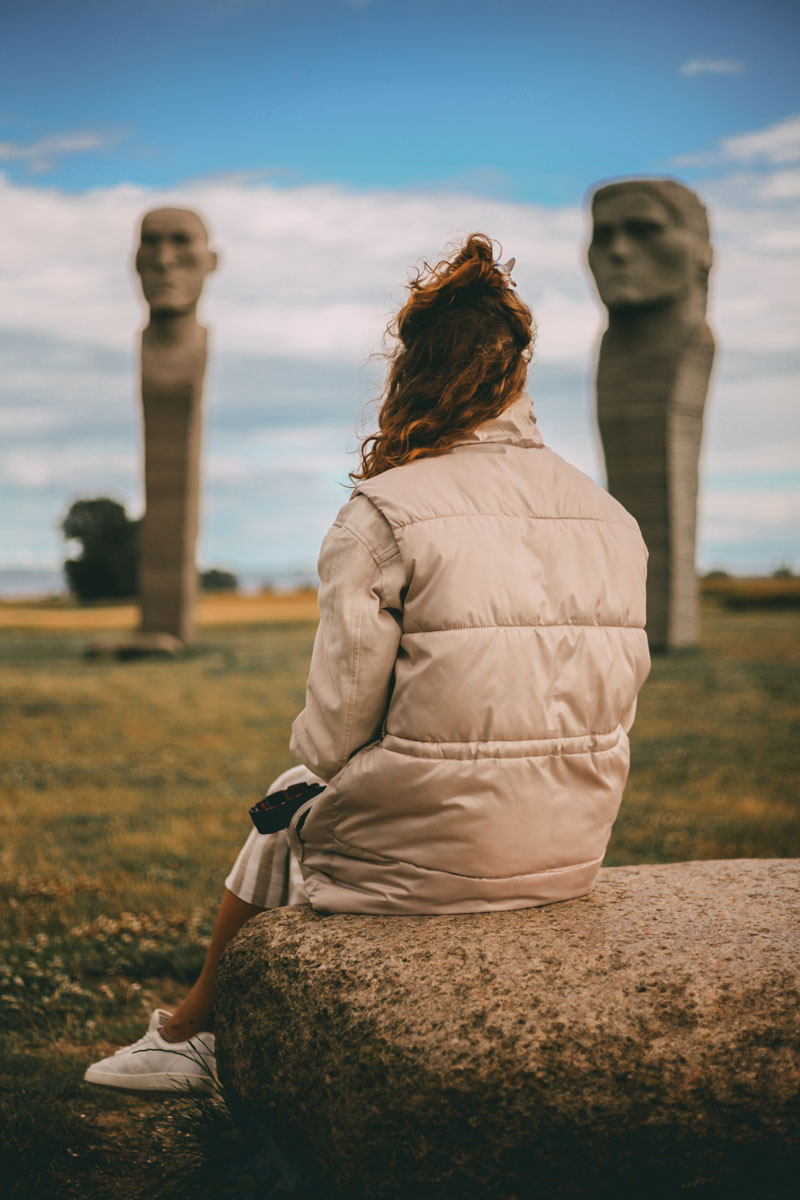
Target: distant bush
[108,565]
[762,591]
[769,595]
[218,580]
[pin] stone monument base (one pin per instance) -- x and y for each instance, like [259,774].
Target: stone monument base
[641,1041]
[140,645]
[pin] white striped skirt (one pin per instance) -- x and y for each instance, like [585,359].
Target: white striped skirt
[266,873]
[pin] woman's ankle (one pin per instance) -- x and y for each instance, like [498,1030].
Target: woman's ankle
[183,1028]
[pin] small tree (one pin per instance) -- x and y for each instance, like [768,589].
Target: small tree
[215,579]
[108,565]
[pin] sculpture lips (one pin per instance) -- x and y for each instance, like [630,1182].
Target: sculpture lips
[621,283]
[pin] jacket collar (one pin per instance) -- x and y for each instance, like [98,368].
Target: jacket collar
[516,425]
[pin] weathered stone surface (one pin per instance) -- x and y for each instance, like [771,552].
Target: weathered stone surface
[640,1040]
[173,261]
[651,255]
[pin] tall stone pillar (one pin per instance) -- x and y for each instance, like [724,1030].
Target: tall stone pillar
[172,404]
[650,255]
[173,260]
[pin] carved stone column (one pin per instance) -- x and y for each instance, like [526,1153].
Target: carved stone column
[173,261]
[650,255]
[172,405]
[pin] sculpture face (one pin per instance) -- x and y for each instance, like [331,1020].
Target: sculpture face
[638,254]
[173,260]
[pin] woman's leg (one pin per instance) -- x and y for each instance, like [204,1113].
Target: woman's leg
[194,1013]
[264,876]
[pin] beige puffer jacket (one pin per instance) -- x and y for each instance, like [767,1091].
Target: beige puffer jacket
[499,766]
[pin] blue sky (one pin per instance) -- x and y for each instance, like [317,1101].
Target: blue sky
[331,144]
[536,97]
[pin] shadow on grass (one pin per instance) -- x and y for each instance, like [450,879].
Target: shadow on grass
[61,1139]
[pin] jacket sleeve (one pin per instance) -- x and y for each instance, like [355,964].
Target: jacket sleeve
[362,583]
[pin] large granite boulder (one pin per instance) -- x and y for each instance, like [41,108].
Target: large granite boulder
[641,1040]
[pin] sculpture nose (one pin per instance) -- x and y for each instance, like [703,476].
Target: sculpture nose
[619,248]
[164,256]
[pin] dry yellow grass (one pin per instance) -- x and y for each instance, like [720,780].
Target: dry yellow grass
[124,790]
[233,608]
[224,608]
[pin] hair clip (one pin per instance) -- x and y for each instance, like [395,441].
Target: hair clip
[505,269]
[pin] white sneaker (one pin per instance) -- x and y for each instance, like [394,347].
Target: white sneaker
[155,1065]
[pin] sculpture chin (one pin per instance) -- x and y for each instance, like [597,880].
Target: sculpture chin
[626,301]
[167,308]
[629,296]
[623,300]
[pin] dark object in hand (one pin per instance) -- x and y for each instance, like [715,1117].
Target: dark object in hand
[276,810]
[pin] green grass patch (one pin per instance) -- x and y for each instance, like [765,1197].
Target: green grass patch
[125,790]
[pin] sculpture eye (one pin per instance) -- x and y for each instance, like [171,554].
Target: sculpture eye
[601,235]
[644,228]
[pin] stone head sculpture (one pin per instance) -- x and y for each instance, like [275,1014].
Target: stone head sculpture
[650,246]
[172,261]
[650,255]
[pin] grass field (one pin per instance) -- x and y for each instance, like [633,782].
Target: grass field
[125,790]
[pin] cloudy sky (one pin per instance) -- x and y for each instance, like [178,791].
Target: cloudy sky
[331,145]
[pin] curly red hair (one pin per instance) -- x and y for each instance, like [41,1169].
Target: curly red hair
[463,343]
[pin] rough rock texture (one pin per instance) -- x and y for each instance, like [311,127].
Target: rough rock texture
[640,1040]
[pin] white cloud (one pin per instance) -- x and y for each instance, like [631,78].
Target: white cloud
[316,272]
[730,516]
[752,426]
[780,185]
[67,467]
[778,143]
[308,278]
[16,421]
[307,271]
[39,155]
[775,145]
[712,66]
[317,451]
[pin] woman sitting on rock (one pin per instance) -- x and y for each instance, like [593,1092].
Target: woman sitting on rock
[475,671]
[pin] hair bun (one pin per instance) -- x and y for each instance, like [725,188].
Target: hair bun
[473,268]
[470,274]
